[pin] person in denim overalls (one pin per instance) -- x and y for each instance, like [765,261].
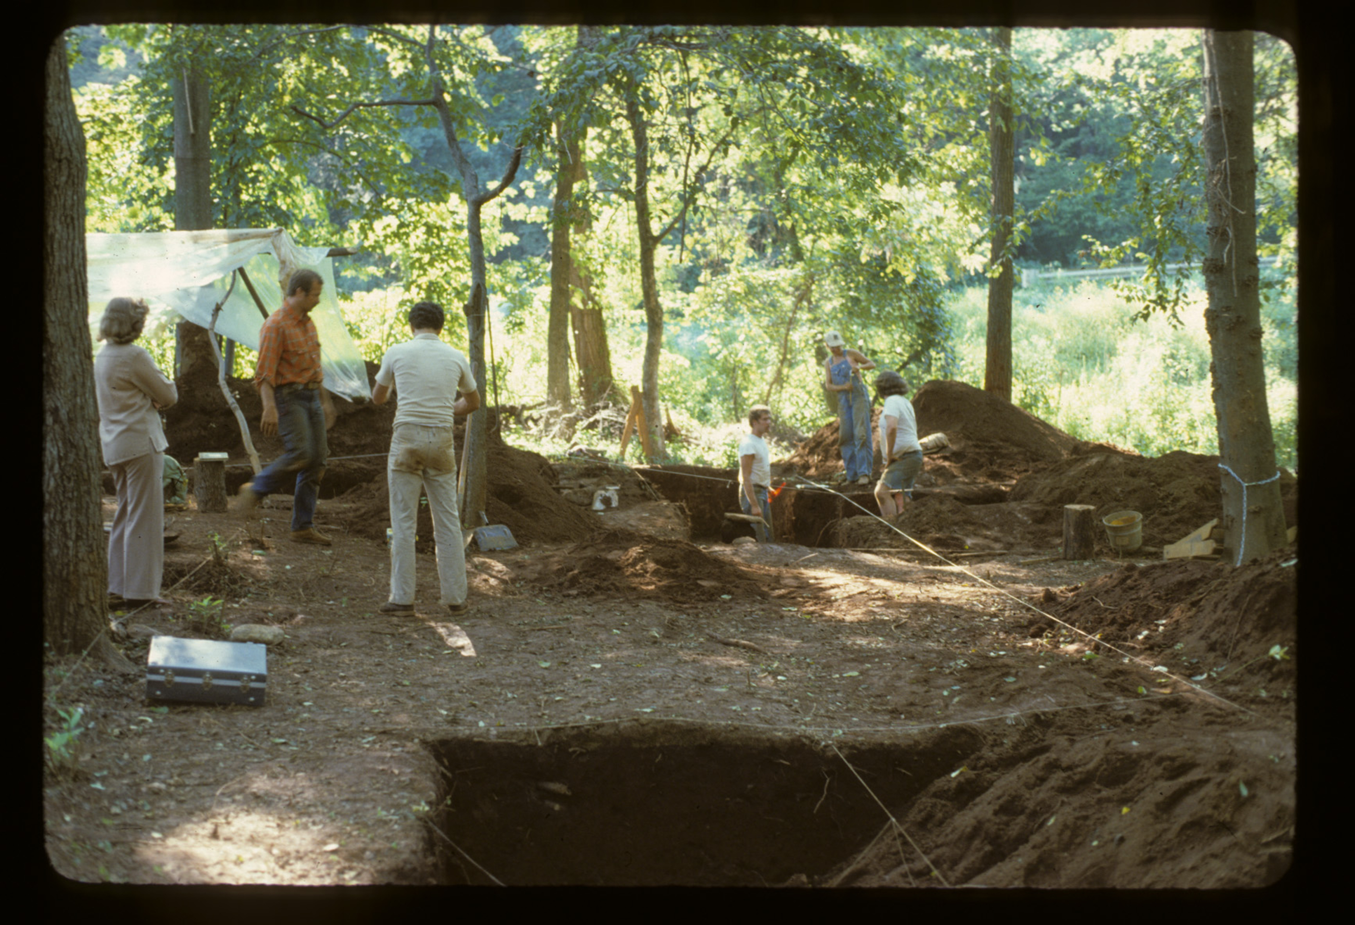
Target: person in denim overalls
[843,375]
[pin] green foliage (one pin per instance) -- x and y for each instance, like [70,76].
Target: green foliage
[809,178]
[63,745]
[1082,362]
[206,616]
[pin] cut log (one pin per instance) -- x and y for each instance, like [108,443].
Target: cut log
[1079,531]
[209,483]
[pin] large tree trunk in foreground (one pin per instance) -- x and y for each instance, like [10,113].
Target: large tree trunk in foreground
[192,199]
[997,375]
[74,552]
[1233,319]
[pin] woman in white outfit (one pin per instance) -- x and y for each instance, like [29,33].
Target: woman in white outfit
[130,391]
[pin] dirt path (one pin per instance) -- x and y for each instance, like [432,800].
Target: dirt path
[624,706]
[1008,749]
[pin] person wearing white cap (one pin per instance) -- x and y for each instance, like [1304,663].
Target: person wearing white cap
[842,374]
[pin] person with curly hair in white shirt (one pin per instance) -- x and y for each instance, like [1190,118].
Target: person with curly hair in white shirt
[131,390]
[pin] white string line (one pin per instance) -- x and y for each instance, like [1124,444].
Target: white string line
[1245,485]
[890,816]
[926,548]
[1133,658]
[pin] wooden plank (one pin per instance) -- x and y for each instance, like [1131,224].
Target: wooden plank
[1185,549]
[1202,533]
[642,424]
[630,423]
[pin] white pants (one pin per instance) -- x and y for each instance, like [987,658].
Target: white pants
[424,458]
[136,545]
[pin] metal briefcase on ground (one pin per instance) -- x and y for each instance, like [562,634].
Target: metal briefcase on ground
[206,671]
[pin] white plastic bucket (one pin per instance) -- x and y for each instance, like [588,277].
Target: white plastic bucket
[1124,529]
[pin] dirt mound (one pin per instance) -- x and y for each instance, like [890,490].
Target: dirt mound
[991,439]
[520,497]
[1226,616]
[1176,492]
[630,565]
[947,524]
[1166,812]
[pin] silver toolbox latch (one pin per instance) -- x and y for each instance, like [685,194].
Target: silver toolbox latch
[245,683]
[206,680]
[169,677]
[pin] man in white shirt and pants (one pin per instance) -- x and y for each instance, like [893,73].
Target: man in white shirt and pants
[427,375]
[755,472]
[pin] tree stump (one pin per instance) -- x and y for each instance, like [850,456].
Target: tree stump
[1079,531]
[209,484]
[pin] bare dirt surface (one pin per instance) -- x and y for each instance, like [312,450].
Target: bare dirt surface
[633,701]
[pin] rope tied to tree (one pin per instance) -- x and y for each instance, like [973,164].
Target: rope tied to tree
[1245,485]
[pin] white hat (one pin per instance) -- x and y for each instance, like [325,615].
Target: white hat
[833,339]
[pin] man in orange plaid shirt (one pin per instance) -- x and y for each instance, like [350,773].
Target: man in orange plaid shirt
[296,405]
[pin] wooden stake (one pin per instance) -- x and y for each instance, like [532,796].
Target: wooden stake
[631,418]
[642,424]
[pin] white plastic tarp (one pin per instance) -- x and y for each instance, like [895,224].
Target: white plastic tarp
[185,273]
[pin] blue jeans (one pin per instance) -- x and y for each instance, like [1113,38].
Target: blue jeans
[301,424]
[762,531]
[853,414]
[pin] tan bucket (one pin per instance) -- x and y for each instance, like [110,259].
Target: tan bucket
[1124,529]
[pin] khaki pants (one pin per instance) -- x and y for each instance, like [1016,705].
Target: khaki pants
[424,459]
[136,545]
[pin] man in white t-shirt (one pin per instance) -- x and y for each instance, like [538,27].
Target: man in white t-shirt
[434,385]
[899,447]
[755,471]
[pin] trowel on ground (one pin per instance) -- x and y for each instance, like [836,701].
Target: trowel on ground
[490,536]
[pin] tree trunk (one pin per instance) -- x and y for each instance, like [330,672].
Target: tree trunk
[1253,517]
[74,551]
[649,385]
[563,221]
[590,347]
[1079,531]
[997,377]
[192,197]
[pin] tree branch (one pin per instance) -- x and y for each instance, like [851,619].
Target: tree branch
[349,111]
[689,195]
[398,37]
[507,178]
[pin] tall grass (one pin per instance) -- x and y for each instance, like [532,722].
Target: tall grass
[1084,364]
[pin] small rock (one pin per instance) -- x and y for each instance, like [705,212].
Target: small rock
[257,632]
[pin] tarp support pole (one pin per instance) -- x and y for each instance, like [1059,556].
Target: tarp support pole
[250,286]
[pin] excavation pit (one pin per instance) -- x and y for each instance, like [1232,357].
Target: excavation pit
[673,805]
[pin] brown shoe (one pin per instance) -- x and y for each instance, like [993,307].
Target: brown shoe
[404,610]
[458,610]
[310,535]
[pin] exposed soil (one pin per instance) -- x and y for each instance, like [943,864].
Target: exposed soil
[632,700]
